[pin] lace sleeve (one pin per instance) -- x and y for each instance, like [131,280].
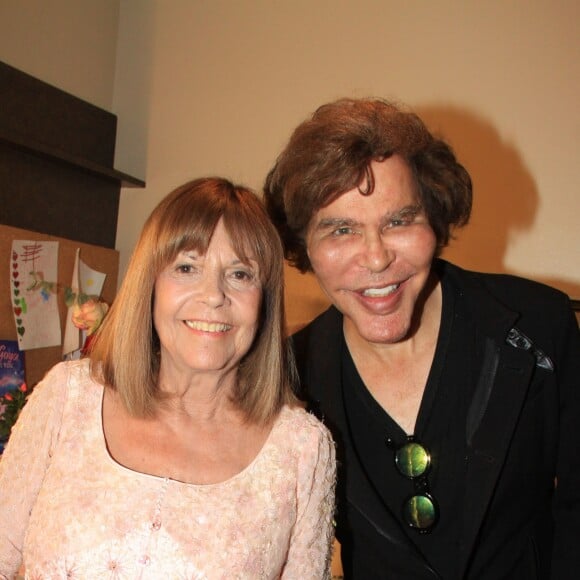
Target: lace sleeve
[309,555]
[24,463]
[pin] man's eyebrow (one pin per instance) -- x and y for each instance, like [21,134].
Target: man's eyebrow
[327,223]
[410,210]
[337,222]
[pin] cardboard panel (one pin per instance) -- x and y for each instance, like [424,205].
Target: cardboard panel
[38,361]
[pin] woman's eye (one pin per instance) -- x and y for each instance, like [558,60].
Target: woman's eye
[184,268]
[242,275]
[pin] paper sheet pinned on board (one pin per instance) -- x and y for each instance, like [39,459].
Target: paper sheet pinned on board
[33,288]
[87,281]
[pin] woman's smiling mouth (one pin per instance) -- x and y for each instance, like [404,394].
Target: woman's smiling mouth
[207,326]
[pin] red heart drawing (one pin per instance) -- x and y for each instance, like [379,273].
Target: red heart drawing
[15,275]
[18,311]
[14,256]
[16,284]
[15,265]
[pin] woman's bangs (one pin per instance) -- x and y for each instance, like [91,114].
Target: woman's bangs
[249,240]
[192,227]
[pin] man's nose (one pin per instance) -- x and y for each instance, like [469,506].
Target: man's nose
[376,254]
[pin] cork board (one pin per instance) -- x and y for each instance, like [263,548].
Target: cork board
[39,360]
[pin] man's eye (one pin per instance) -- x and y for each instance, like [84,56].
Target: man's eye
[405,220]
[342,231]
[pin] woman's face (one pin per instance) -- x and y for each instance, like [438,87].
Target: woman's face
[206,308]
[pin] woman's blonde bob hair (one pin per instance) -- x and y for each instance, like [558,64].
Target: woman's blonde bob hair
[125,354]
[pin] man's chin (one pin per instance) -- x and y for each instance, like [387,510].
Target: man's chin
[384,331]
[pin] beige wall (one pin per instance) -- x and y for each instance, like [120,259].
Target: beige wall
[216,87]
[70,44]
[222,83]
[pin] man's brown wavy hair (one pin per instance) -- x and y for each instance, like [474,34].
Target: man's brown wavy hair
[330,153]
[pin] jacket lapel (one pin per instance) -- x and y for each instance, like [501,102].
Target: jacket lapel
[497,402]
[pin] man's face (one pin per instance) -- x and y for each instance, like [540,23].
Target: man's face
[372,254]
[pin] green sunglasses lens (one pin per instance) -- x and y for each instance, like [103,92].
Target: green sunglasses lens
[419,512]
[412,460]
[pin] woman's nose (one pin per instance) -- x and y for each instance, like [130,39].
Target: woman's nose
[376,255]
[211,290]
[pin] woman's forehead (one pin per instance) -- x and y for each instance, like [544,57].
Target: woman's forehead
[226,244]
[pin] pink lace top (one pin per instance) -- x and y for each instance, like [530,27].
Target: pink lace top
[68,510]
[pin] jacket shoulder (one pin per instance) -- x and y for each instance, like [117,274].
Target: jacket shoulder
[316,350]
[513,292]
[324,327]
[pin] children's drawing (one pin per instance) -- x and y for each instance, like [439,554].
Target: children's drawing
[33,285]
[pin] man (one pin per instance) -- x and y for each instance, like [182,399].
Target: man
[452,395]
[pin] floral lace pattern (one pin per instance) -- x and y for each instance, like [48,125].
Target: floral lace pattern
[76,513]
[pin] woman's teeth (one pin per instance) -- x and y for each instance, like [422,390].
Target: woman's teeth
[207,326]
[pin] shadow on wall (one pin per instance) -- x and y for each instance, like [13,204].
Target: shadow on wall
[505,198]
[505,195]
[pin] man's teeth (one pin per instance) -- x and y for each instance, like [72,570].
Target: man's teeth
[207,326]
[377,292]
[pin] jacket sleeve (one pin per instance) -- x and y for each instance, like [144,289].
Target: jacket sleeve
[566,555]
[309,554]
[24,464]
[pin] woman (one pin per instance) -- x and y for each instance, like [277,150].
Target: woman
[178,449]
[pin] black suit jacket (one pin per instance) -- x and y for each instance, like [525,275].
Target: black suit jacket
[522,432]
